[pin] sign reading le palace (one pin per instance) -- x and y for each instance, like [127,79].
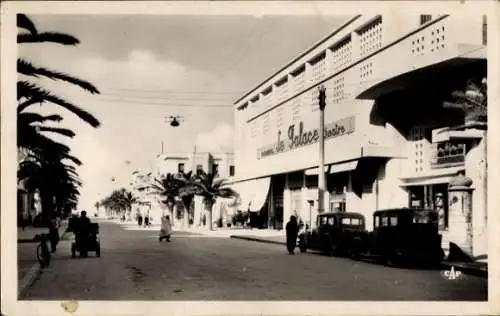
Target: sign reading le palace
[298,137]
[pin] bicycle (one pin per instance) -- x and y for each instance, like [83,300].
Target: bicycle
[42,250]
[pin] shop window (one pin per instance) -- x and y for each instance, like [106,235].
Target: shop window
[433,197]
[231,171]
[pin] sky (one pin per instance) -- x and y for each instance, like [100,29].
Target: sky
[148,68]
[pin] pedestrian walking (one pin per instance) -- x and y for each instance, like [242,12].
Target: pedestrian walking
[292,231]
[139,219]
[146,220]
[53,234]
[166,228]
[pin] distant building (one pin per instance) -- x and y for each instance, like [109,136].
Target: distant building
[28,201]
[220,164]
[386,78]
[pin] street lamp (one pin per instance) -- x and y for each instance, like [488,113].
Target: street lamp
[174,120]
[321,174]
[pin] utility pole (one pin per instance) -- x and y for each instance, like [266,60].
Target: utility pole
[321,171]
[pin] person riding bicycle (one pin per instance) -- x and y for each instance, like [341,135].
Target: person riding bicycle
[82,230]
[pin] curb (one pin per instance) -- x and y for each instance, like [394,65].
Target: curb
[258,240]
[29,279]
[467,270]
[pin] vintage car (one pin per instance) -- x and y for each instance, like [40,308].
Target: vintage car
[401,237]
[333,234]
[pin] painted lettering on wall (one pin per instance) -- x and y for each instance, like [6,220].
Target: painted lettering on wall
[297,136]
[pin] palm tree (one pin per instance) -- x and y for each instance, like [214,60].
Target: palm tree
[211,188]
[29,93]
[168,187]
[473,102]
[128,201]
[47,170]
[187,192]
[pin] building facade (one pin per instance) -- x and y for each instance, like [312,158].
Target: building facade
[385,86]
[220,164]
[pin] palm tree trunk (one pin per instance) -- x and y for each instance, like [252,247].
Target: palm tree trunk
[209,207]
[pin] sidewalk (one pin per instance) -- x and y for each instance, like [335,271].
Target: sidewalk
[27,263]
[263,235]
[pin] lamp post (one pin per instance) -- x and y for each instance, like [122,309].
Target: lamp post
[321,173]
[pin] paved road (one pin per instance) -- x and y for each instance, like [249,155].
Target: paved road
[135,266]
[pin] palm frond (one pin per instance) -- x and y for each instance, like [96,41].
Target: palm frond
[29,90]
[62,131]
[47,37]
[22,106]
[24,22]
[29,117]
[26,68]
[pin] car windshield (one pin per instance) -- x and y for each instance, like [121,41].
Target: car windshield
[352,221]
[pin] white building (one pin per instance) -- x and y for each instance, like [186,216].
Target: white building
[385,82]
[221,164]
[216,163]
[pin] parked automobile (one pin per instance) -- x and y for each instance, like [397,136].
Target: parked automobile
[333,234]
[402,236]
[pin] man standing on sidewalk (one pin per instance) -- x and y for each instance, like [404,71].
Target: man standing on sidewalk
[292,231]
[53,233]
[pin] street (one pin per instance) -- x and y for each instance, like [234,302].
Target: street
[136,266]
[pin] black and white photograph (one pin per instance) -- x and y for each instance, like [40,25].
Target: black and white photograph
[215,152]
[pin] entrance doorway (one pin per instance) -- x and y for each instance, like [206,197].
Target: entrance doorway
[432,196]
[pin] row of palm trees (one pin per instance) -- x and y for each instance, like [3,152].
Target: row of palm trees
[48,166]
[172,187]
[119,202]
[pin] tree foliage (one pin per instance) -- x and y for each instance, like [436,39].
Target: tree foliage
[48,166]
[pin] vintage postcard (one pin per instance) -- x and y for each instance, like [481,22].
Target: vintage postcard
[253,158]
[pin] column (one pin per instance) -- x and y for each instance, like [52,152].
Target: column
[286,203]
[475,166]
[460,213]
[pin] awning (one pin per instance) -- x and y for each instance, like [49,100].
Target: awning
[437,176]
[342,167]
[253,193]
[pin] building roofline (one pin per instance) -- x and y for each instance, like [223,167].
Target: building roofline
[337,30]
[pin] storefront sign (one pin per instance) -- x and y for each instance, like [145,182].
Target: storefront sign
[447,154]
[298,137]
